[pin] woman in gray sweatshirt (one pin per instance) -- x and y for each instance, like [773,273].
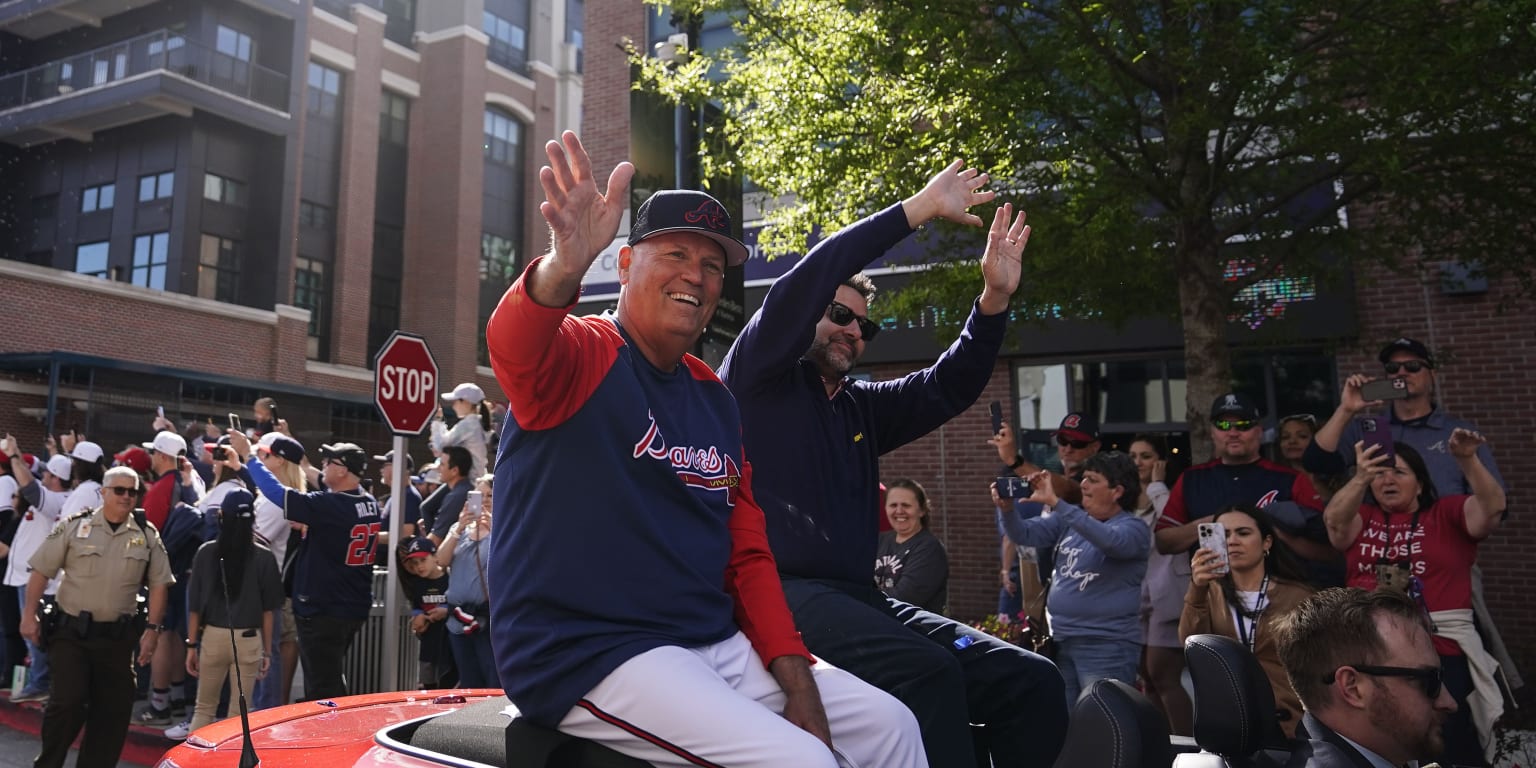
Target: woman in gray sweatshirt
[1101,557]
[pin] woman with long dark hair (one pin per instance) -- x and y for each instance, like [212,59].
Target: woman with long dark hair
[1407,538]
[1263,583]
[232,593]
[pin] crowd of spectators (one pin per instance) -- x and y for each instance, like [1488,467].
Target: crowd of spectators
[273,556]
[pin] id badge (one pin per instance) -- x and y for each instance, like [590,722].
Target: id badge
[84,531]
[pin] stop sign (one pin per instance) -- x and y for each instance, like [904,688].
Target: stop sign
[405,383]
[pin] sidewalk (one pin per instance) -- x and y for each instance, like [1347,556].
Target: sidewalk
[143,747]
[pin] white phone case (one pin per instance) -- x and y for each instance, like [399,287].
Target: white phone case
[1213,536]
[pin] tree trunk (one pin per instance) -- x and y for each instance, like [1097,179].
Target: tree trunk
[1203,303]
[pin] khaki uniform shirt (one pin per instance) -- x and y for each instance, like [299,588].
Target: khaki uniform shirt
[103,568]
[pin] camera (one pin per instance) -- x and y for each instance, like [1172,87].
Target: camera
[220,453]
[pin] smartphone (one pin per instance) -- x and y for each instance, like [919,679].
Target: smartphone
[1375,430]
[1384,389]
[272,412]
[475,502]
[997,416]
[160,410]
[234,422]
[1213,536]
[220,453]
[1012,487]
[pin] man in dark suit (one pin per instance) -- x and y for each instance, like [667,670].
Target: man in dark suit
[1365,669]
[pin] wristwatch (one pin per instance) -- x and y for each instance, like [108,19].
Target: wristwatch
[156,627]
[193,646]
[1018,461]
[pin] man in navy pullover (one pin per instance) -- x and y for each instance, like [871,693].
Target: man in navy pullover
[815,437]
[677,648]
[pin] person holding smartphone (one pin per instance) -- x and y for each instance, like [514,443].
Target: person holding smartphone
[1263,582]
[1101,558]
[466,553]
[1408,538]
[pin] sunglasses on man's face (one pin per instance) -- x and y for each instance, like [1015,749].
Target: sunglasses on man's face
[1411,366]
[122,490]
[841,316]
[1064,441]
[1429,678]
[1234,425]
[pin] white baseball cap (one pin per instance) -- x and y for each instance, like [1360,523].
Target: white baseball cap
[466,391]
[60,466]
[86,450]
[168,443]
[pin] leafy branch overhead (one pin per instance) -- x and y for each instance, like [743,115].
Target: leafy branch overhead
[1153,143]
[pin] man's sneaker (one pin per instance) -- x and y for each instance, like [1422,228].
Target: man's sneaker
[29,694]
[152,716]
[179,731]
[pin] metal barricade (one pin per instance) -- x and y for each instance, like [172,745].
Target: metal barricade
[365,662]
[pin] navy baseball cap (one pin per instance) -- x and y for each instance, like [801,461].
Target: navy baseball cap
[351,455]
[419,546]
[1405,344]
[238,503]
[1234,404]
[285,447]
[410,463]
[684,210]
[1079,426]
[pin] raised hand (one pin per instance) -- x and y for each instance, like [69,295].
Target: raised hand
[1003,441]
[1463,443]
[582,220]
[949,195]
[1002,262]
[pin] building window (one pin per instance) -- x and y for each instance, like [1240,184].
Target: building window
[394,118]
[324,91]
[156,185]
[149,257]
[232,62]
[498,259]
[310,291]
[98,198]
[503,137]
[223,190]
[509,39]
[401,23]
[91,259]
[218,268]
[316,216]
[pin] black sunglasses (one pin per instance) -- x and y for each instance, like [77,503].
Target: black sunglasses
[1411,366]
[122,490]
[842,316]
[1240,425]
[1064,441]
[1429,679]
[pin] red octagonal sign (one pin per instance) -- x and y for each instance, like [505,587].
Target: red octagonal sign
[405,383]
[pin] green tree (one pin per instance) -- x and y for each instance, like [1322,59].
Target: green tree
[1155,144]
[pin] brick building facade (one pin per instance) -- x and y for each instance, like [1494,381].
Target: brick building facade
[246,200]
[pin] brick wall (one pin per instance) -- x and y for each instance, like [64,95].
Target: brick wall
[605,117]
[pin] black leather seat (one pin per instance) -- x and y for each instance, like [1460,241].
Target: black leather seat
[1234,707]
[480,733]
[1114,726]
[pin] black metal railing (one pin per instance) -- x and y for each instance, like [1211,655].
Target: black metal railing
[164,50]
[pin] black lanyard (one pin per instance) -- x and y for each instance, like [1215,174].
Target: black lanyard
[1244,634]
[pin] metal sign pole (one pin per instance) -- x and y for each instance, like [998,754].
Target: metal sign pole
[398,489]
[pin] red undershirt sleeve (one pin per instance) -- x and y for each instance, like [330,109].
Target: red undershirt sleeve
[547,362]
[752,578]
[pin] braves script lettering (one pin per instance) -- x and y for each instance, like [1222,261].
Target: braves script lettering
[707,468]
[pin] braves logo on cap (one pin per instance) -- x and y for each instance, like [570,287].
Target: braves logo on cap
[709,214]
[1072,421]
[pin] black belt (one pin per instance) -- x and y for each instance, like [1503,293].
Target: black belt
[85,628]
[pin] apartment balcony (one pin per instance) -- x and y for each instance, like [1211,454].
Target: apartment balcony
[156,74]
[37,19]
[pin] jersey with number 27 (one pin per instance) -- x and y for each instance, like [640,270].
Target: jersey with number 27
[334,575]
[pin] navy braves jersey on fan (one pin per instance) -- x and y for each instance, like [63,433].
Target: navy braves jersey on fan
[334,571]
[1205,489]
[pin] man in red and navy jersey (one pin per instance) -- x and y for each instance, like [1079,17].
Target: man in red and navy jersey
[634,599]
[1239,475]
